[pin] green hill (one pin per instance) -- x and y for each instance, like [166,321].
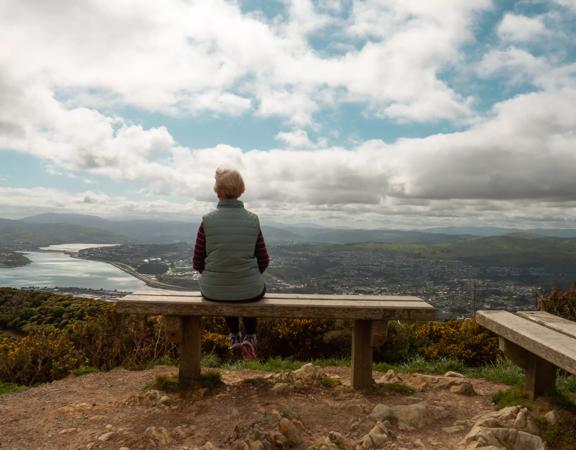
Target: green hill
[17,235]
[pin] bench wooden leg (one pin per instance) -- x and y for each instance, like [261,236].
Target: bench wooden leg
[190,351]
[362,355]
[540,374]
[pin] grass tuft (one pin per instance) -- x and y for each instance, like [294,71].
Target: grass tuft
[164,361]
[165,383]
[211,380]
[257,381]
[9,388]
[501,371]
[83,370]
[421,365]
[211,360]
[512,397]
[399,388]
[270,365]
[328,382]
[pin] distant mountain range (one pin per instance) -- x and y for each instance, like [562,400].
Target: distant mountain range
[51,228]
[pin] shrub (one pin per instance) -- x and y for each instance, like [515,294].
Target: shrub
[559,302]
[464,340]
[38,358]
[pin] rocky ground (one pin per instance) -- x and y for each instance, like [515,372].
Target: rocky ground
[310,408]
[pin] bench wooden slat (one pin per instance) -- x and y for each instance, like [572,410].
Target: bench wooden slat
[548,344]
[289,308]
[551,321]
[169,293]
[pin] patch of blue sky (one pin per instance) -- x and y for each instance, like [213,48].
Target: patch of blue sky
[350,125]
[268,9]
[205,130]
[463,76]
[21,170]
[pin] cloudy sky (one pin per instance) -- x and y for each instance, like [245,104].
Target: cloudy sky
[374,113]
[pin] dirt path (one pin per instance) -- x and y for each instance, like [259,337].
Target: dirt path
[112,410]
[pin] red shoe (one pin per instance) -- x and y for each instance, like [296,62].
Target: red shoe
[249,347]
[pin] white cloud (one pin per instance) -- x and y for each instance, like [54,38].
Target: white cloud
[21,202]
[518,65]
[187,57]
[518,28]
[77,63]
[296,139]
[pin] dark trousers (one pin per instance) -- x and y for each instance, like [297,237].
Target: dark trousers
[233,323]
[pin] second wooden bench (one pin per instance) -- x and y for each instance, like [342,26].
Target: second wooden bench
[537,341]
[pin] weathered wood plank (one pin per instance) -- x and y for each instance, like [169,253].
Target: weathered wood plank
[169,293]
[362,355]
[190,351]
[348,303]
[276,308]
[550,345]
[551,321]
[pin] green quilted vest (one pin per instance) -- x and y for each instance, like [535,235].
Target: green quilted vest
[231,270]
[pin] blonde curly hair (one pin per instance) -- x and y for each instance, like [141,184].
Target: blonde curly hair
[229,183]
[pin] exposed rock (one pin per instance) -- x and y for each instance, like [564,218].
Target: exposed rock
[453,374]
[184,431]
[240,445]
[377,437]
[510,428]
[164,400]
[463,389]
[390,377]
[525,422]
[382,412]
[159,434]
[453,429]
[255,445]
[276,438]
[208,446]
[308,372]
[334,441]
[281,388]
[501,439]
[516,417]
[552,417]
[290,431]
[410,417]
[106,436]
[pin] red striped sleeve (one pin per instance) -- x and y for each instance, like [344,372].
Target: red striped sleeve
[199,250]
[261,253]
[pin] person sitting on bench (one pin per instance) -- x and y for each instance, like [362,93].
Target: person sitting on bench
[231,256]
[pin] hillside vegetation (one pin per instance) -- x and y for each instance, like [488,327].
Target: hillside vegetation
[516,250]
[18,235]
[52,335]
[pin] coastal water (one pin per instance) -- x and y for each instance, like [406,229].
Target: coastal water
[53,268]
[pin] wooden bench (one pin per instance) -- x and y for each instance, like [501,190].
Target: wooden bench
[370,314]
[537,341]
